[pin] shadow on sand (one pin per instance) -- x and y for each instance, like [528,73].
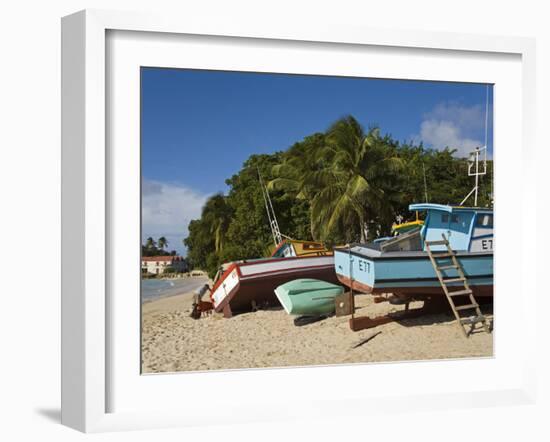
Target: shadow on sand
[443,314]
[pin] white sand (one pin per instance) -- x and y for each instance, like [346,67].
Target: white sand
[172,341]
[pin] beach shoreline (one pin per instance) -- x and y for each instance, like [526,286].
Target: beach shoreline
[172,341]
[159,288]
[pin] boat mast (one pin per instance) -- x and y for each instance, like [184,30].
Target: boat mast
[474,157]
[425,184]
[273,224]
[473,163]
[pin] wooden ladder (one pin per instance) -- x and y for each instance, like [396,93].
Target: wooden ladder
[466,290]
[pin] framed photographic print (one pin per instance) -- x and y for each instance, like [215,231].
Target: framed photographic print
[252,212]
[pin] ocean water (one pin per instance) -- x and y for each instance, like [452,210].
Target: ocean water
[159,288]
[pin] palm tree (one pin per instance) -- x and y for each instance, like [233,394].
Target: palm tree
[358,183]
[162,242]
[217,216]
[294,174]
[150,243]
[350,183]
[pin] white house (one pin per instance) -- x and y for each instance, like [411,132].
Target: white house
[158,264]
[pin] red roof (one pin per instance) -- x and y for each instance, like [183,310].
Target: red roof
[161,258]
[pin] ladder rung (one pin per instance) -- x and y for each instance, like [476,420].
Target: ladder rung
[460,292]
[437,243]
[447,267]
[447,281]
[449,253]
[473,320]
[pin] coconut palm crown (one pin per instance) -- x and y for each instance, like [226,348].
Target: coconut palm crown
[348,179]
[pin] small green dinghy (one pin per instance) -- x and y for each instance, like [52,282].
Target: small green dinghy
[308,296]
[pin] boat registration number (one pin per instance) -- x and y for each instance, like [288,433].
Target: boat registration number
[364,266]
[482,245]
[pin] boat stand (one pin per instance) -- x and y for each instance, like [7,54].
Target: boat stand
[357,323]
[227,313]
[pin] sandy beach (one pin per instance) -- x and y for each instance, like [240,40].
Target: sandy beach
[173,341]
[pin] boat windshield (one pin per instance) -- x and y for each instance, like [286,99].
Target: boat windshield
[221,270]
[218,274]
[409,241]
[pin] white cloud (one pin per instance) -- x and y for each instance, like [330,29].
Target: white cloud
[167,210]
[454,126]
[468,117]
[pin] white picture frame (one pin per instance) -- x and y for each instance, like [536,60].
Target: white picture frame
[87,210]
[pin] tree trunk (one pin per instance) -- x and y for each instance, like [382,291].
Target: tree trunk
[364,229]
[365,232]
[312,229]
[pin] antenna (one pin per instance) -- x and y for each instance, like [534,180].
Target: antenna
[492,183]
[273,224]
[425,185]
[473,160]
[486,113]
[486,130]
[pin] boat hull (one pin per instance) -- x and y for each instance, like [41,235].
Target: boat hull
[308,296]
[410,273]
[248,284]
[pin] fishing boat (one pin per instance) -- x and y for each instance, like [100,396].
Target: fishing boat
[404,227]
[308,296]
[291,247]
[401,228]
[402,264]
[405,265]
[249,284]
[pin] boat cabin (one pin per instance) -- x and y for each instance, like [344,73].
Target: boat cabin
[466,228]
[404,227]
[294,248]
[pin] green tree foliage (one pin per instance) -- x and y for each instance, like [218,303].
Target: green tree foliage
[201,242]
[162,242]
[156,248]
[341,186]
[446,177]
[235,226]
[150,243]
[351,181]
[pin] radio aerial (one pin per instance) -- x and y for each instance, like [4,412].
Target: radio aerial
[474,170]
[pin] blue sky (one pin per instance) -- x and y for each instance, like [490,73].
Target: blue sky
[198,127]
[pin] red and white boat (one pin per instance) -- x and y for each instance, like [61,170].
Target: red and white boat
[249,284]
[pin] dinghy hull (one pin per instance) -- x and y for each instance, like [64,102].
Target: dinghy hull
[251,284]
[308,296]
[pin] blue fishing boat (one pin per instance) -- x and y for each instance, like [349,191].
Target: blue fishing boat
[401,265]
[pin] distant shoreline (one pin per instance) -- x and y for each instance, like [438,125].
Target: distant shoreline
[154,289]
[192,274]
